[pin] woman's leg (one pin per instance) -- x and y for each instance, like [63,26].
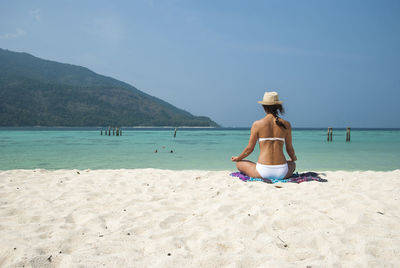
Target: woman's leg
[291,169]
[249,168]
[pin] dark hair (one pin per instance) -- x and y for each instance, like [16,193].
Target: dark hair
[274,110]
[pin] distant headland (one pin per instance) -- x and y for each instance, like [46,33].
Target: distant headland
[38,92]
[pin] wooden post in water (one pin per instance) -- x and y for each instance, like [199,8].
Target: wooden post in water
[347,134]
[329,135]
[113,131]
[117,131]
[175,133]
[120,132]
[109,131]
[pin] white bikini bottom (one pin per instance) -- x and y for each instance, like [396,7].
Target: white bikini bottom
[272,171]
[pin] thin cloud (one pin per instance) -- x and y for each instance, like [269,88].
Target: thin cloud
[110,29]
[150,3]
[281,49]
[18,33]
[35,13]
[274,48]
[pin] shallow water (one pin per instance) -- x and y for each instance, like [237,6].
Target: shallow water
[205,149]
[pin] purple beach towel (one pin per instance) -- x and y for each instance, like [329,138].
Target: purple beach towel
[296,178]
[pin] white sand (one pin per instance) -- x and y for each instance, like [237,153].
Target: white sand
[162,218]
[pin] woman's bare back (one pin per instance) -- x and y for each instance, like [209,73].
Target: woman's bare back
[271,151]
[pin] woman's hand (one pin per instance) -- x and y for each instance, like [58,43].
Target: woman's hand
[234,158]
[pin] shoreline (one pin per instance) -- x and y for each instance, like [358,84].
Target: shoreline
[192,218]
[228,171]
[181,127]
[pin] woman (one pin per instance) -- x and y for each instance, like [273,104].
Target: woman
[272,133]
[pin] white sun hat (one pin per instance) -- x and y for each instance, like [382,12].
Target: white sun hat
[270,98]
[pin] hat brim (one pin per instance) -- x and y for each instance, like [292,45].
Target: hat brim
[270,103]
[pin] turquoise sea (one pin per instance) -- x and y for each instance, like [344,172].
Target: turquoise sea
[205,149]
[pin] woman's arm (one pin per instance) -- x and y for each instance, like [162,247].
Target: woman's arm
[289,145]
[250,147]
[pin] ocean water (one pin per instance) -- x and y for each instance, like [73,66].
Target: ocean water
[204,149]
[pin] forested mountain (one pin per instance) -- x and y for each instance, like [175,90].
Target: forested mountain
[37,92]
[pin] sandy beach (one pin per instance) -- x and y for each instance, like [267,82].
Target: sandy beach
[163,218]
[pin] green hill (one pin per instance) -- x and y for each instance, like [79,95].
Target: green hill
[37,92]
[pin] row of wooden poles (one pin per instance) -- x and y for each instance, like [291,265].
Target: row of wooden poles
[107,132]
[118,131]
[330,130]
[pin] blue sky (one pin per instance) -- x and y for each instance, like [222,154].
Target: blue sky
[334,63]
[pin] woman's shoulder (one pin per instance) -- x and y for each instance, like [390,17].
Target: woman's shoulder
[260,122]
[256,123]
[286,123]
